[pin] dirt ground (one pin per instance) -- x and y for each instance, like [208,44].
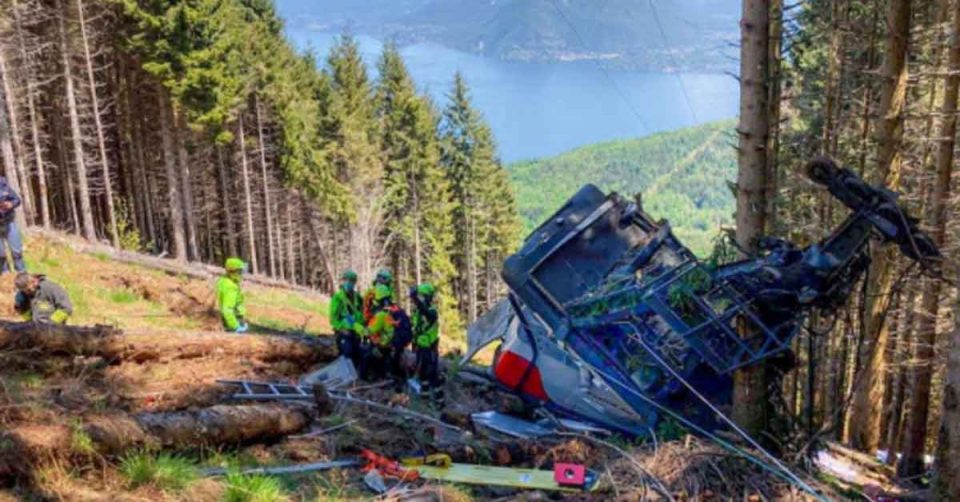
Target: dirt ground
[174,357]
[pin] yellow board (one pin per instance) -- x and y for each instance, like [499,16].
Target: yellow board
[495,476]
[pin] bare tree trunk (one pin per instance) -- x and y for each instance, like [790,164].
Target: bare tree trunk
[911,463]
[750,386]
[20,181]
[86,211]
[34,125]
[231,236]
[268,210]
[866,409]
[10,160]
[472,270]
[173,192]
[101,142]
[252,242]
[775,63]
[291,258]
[186,184]
[947,479]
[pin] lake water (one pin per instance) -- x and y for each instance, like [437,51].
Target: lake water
[538,110]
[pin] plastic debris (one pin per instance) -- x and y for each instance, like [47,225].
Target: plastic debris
[511,426]
[336,375]
[374,481]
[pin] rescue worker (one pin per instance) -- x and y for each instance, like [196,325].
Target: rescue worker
[383,277]
[233,311]
[426,340]
[9,230]
[378,337]
[346,317]
[40,300]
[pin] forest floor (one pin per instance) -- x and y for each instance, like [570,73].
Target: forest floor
[168,357]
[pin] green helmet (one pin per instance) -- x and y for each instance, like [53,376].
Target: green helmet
[234,264]
[384,276]
[381,291]
[426,289]
[349,275]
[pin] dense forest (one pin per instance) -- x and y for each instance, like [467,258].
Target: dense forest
[874,85]
[682,176]
[193,130]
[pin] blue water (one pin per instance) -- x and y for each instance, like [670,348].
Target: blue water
[538,110]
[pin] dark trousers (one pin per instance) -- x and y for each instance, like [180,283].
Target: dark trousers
[372,361]
[348,345]
[428,364]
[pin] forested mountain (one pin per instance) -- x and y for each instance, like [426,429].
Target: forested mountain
[683,176]
[193,130]
[692,35]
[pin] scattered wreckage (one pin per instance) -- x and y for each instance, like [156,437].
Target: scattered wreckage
[612,325]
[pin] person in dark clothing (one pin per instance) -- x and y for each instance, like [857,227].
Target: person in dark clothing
[402,336]
[9,230]
[40,300]
[426,340]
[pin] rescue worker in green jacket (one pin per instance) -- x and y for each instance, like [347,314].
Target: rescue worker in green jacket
[383,277]
[41,300]
[378,337]
[233,311]
[426,339]
[346,317]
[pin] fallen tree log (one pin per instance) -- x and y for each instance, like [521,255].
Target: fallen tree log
[113,344]
[22,448]
[193,270]
[217,425]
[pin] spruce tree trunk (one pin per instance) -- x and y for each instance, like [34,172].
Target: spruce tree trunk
[173,184]
[34,124]
[267,209]
[947,479]
[911,462]
[19,180]
[225,199]
[251,240]
[866,409]
[83,185]
[101,141]
[186,184]
[775,64]
[750,385]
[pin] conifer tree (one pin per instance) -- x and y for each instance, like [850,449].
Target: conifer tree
[417,200]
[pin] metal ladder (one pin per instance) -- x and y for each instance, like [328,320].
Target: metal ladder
[268,391]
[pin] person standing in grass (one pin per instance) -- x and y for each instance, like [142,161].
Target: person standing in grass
[9,231]
[233,311]
[346,317]
[40,300]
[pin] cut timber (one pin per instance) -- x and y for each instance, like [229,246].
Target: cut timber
[114,344]
[22,448]
[217,425]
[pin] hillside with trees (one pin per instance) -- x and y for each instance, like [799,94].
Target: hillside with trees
[193,130]
[682,176]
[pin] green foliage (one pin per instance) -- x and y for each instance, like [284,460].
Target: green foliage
[681,175]
[240,488]
[165,471]
[485,216]
[124,296]
[127,233]
[80,442]
[669,430]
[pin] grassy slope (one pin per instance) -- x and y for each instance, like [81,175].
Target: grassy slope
[682,174]
[133,297]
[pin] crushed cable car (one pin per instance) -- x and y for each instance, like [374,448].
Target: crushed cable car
[612,320]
